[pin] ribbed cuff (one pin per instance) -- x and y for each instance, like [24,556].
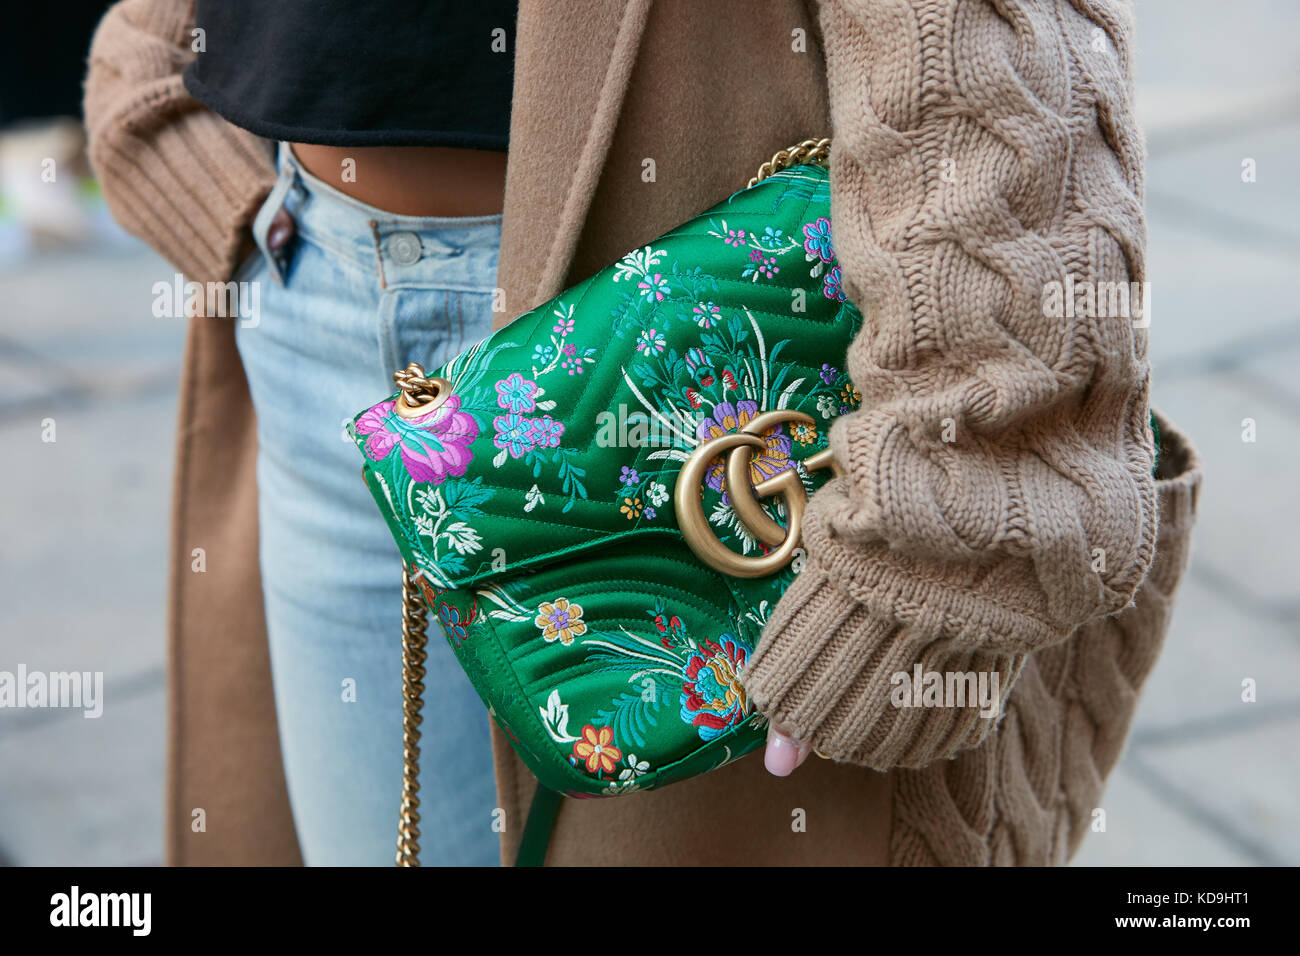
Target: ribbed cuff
[190,186]
[853,681]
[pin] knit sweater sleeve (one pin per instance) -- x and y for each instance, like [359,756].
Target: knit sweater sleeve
[997,490]
[173,173]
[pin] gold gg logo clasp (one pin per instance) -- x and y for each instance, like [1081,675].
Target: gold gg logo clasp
[737,450]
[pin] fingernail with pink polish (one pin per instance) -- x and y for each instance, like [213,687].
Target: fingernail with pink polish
[804,750]
[278,234]
[782,754]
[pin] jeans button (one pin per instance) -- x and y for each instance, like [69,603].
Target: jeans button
[404,247]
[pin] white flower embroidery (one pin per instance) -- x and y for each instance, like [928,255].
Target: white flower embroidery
[657,493]
[634,768]
[637,263]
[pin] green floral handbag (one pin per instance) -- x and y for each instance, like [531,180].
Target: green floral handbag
[600,502]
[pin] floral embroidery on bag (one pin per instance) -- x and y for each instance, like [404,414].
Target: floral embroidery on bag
[817,240]
[650,342]
[627,781]
[596,750]
[656,493]
[712,696]
[832,289]
[454,623]
[560,620]
[653,287]
[545,432]
[685,289]
[536,440]
[446,516]
[708,672]
[437,446]
[555,718]
[681,341]
[516,393]
[706,313]
[711,389]
[727,418]
[433,447]
[803,433]
[514,434]
[635,768]
[560,350]
[764,248]
[637,264]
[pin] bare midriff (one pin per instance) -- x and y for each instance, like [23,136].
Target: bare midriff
[412,180]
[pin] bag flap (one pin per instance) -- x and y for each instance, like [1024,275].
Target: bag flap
[566,429]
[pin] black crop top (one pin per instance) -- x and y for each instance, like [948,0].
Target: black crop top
[362,73]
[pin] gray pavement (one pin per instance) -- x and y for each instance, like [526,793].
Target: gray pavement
[83,551]
[1206,778]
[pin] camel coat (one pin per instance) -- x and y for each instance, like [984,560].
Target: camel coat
[707,91]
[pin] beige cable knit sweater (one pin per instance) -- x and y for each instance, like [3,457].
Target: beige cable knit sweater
[983,151]
[998,513]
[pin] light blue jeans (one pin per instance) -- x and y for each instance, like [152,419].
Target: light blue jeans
[360,293]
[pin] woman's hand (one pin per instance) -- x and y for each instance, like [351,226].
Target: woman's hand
[784,753]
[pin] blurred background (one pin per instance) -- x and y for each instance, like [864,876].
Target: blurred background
[1206,778]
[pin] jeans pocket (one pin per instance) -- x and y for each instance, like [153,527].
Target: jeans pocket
[277,259]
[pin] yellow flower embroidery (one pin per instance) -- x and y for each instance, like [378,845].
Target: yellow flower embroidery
[560,621]
[803,433]
[631,508]
[850,394]
[596,749]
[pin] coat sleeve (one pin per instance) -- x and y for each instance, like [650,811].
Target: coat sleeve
[986,195]
[173,173]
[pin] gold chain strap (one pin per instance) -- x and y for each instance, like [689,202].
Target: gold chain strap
[418,393]
[811,152]
[414,639]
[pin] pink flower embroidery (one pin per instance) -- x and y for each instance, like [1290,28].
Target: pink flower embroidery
[433,446]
